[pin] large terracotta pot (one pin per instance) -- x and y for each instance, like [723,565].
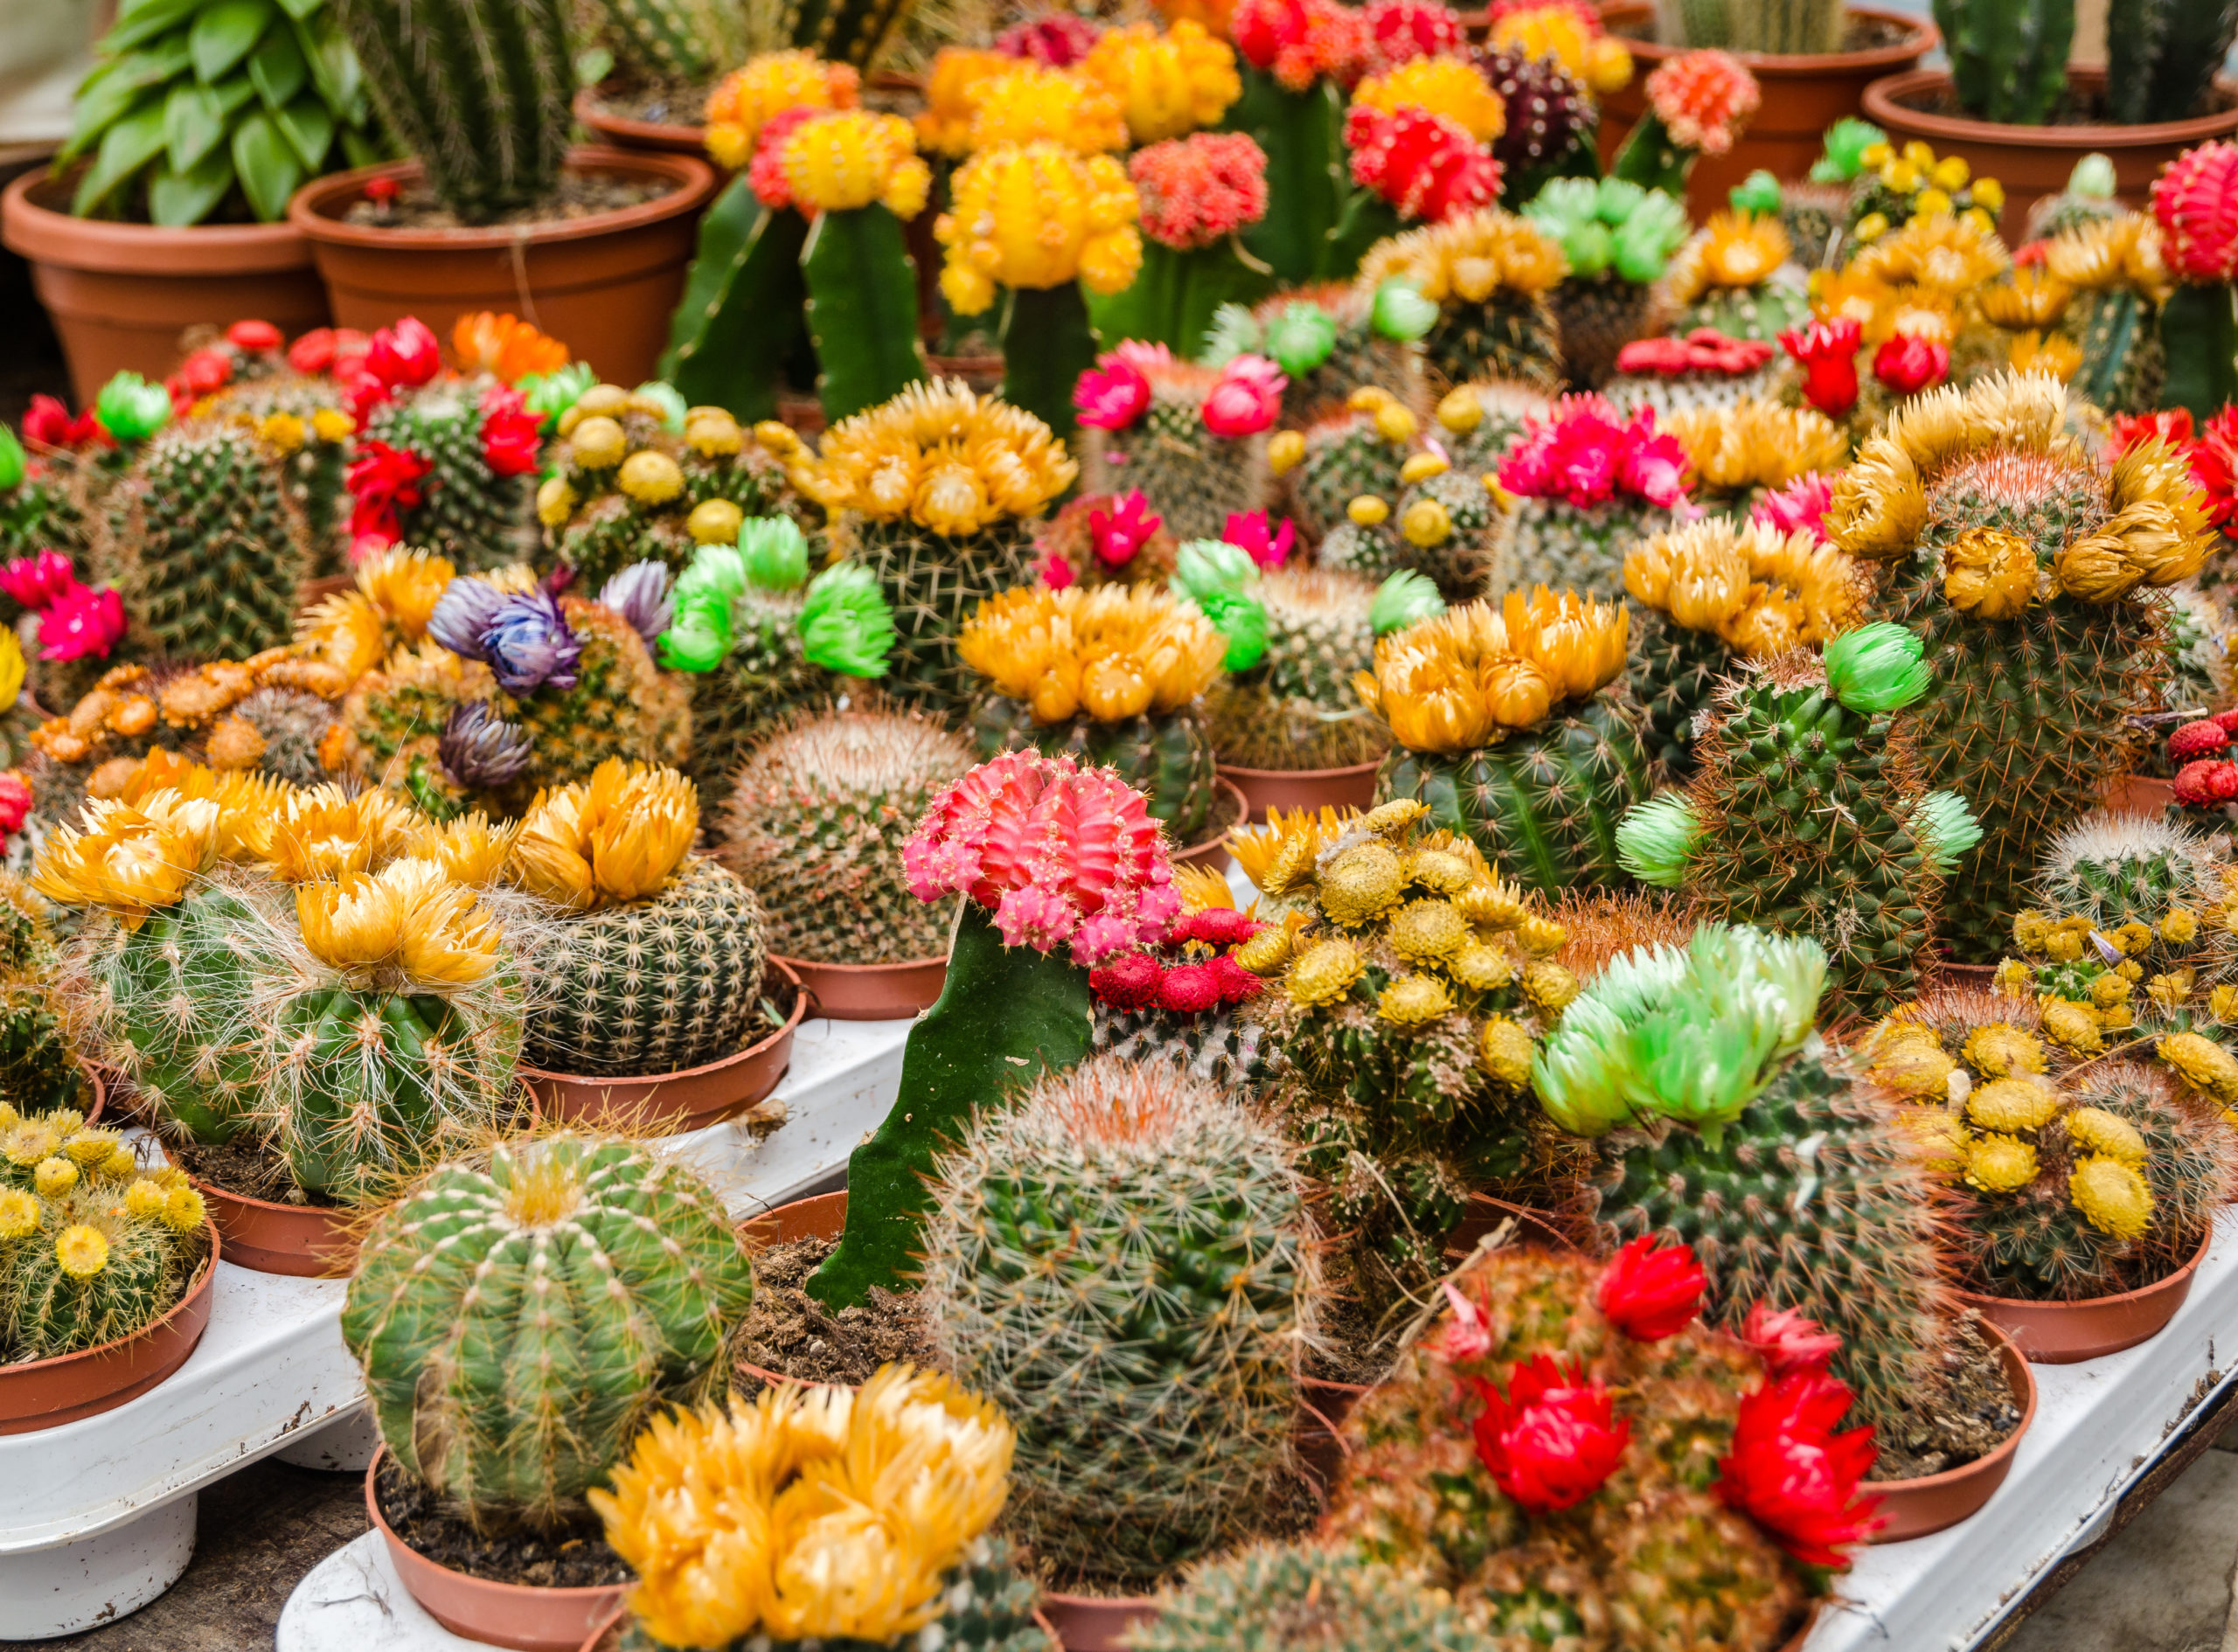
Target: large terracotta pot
[304,1241]
[603,285]
[120,295]
[509,1615]
[623,132]
[1307,788]
[1914,1508]
[1803,97]
[2068,1333]
[2032,161]
[872,992]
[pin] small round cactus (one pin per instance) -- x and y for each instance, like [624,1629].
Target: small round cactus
[1281,1597]
[94,1250]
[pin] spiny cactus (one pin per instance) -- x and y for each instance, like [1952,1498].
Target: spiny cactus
[1185,999]
[1358,452]
[96,1252]
[2008,63]
[1733,277]
[1431,519]
[1120,1264]
[1191,440]
[2114,266]
[2118,869]
[1616,238]
[430,444]
[815,824]
[1788,28]
[303,418]
[1741,455]
[1277,1597]
[1703,370]
[2162,56]
[513,1410]
[1489,275]
[686,39]
[1331,341]
[1591,486]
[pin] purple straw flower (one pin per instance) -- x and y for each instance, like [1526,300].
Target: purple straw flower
[480,749]
[461,613]
[640,595]
[528,645]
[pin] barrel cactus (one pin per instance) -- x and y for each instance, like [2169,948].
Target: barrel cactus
[2113,267]
[1491,275]
[1734,276]
[1330,341]
[1705,369]
[1616,238]
[1591,485]
[94,1251]
[1277,1596]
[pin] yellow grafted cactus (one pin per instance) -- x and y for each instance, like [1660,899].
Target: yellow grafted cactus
[849,160]
[1450,86]
[1037,215]
[1599,61]
[616,838]
[1761,591]
[1166,84]
[745,99]
[1027,103]
[1115,651]
[1459,679]
[941,457]
[951,96]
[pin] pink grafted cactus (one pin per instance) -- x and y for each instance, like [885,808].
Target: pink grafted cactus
[1057,852]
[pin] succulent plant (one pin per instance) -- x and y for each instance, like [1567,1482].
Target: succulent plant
[1189,439]
[1590,486]
[1186,1000]
[1614,239]
[1275,1596]
[2113,268]
[95,1248]
[1387,506]
[1491,275]
[1330,341]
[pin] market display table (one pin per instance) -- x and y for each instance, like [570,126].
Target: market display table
[97,1517]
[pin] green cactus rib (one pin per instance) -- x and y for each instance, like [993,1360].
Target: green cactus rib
[1047,343]
[691,40]
[1788,28]
[1673,674]
[848,31]
[862,310]
[2123,361]
[933,583]
[1172,298]
[1708,22]
[1543,805]
[1279,1599]
[1301,133]
[1169,759]
[1653,159]
[2008,58]
[2162,56]
[166,993]
[742,314]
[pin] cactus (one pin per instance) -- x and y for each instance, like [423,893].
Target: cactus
[816,826]
[512,1414]
[682,39]
[1733,278]
[1120,1264]
[2114,266]
[1616,238]
[1490,274]
[290,724]
[1330,341]
[1550,115]
[1590,487]
[1704,371]
[1788,28]
[2162,56]
[741,322]
[478,516]
[303,418]
[1358,451]
[1186,999]
[2008,63]
[1275,1597]
[2115,868]
[1741,453]
[480,92]
[99,1252]
[1440,524]
[1144,429]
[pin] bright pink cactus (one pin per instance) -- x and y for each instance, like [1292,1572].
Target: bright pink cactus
[1581,452]
[2196,200]
[1424,164]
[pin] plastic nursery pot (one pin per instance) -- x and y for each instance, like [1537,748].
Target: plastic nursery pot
[120,295]
[517,1615]
[2139,795]
[606,1636]
[821,1216]
[623,132]
[47,1393]
[1980,978]
[1915,1507]
[2032,161]
[602,284]
[2068,1333]
[1804,95]
[1229,811]
[1352,787]
[870,992]
[1093,1623]
[304,1241]
[690,1100]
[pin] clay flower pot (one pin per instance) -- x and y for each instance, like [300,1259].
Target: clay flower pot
[1980,978]
[1804,95]
[2140,795]
[603,285]
[2068,1333]
[1352,787]
[1093,1623]
[690,1100]
[120,295]
[47,1393]
[1914,1508]
[622,132]
[870,992]
[2032,161]
[304,1241]
[509,1615]
[1228,811]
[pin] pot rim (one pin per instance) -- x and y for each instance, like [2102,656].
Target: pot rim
[310,211]
[1794,66]
[590,108]
[2167,1282]
[796,964]
[565,1595]
[686,1075]
[1205,847]
[46,234]
[1883,100]
[200,1286]
[2009,1353]
[1346,773]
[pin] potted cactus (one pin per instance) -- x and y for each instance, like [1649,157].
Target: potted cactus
[1199,194]
[1616,238]
[1331,341]
[1190,439]
[1734,276]
[1590,486]
[1753,451]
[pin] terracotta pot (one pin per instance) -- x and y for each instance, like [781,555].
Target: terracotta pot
[304,1241]
[821,1216]
[47,1393]
[607,1636]
[2032,161]
[120,295]
[1306,788]
[509,1615]
[686,1100]
[603,285]
[870,992]
[983,373]
[2068,1333]
[620,132]
[99,1104]
[1228,812]
[1803,97]
[1980,977]
[1914,1508]
[2139,795]
[1090,1623]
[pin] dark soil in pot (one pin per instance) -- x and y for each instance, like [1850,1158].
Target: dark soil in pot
[1976,1415]
[788,1331]
[579,195]
[575,1556]
[660,100]
[247,1167]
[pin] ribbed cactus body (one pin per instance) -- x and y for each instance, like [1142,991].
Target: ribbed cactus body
[1543,805]
[2123,361]
[46,1310]
[1278,1598]
[1192,478]
[38,1068]
[2162,57]
[2008,58]
[1763,312]
[1579,547]
[658,985]
[317,471]
[1346,456]
[1597,318]
[622,704]
[2118,868]
[690,39]
[479,90]
[1813,214]
[292,725]
[518,1323]
[468,512]
[1788,28]
[1297,709]
[1167,757]
[848,31]
[1669,393]
[934,583]
[765,675]
[1508,337]
[1219,1046]
[1673,675]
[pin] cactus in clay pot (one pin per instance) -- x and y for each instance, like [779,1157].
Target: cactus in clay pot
[1278,1595]
[1191,440]
[94,1249]
[1590,486]
[1491,276]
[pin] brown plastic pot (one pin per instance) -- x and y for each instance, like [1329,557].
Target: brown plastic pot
[2032,161]
[1228,812]
[1352,787]
[1915,1507]
[603,285]
[120,295]
[686,1100]
[302,1241]
[517,1615]
[47,1393]
[1804,95]
[2068,1333]
[870,992]
[1092,1623]
[820,1215]
[620,132]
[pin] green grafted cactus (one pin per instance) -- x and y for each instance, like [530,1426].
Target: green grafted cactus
[2008,58]
[742,318]
[862,310]
[1120,1264]
[2163,55]
[481,91]
[1331,341]
[687,39]
[519,1321]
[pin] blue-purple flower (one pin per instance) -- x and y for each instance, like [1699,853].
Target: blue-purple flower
[482,750]
[460,614]
[640,595]
[528,643]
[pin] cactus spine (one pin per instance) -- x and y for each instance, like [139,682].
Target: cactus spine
[1790,28]
[469,513]
[688,39]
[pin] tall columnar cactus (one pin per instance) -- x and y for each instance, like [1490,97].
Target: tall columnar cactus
[2008,62]
[1616,237]
[2162,57]
[479,90]
[93,1250]
[514,1412]
[1591,487]
[1331,341]
[1700,1149]
[816,826]
[2026,569]
[1491,275]
[1120,1265]
[1191,440]
[1506,729]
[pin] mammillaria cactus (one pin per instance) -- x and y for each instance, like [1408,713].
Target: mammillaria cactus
[1502,730]
[1114,677]
[1729,277]
[1697,1148]
[1361,450]
[1616,237]
[816,825]
[92,1249]
[1591,485]
[1191,440]
[1491,275]
[1331,341]
[2113,267]
[1103,538]
[1145,1343]
[513,1416]
[1282,1596]
[2022,566]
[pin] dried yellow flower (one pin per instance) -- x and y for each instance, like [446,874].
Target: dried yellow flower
[1414,1000]
[1504,1052]
[1424,932]
[1999,1163]
[2113,1196]
[1324,973]
[1111,652]
[1990,573]
[616,838]
[1465,677]
[1998,1050]
[2013,1104]
[1363,883]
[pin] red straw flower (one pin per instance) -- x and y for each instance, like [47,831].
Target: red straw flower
[80,624]
[1703,351]
[1908,364]
[15,803]
[1055,571]
[1131,982]
[36,581]
[1552,1440]
[2203,739]
[2125,431]
[48,422]
[404,355]
[1118,534]
[1246,400]
[2196,200]
[1055,40]
[1703,100]
[1201,189]
[1651,1290]
[1794,1477]
[1424,164]
[512,435]
[2215,466]
[253,336]
[1249,531]
[382,479]
[1798,508]
[1579,453]
[1826,351]
[1788,1342]
[1400,31]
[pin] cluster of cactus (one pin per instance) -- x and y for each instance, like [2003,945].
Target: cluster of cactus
[1429,519]
[305,417]
[814,826]
[1120,1263]
[1493,278]
[1734,276]
[1698,1146]
[1589,486]
[93,1247]
[674,39]
[656,964]
[2008,63]
[1808,816]
[1330,341]
[513,1413]
[1616,238]
[2112,268]
[1152,431]
[1358,451]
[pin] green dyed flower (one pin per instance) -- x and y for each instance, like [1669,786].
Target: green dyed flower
[1301,339]
[1402,599]
[1656,840]
[131,409]
[1876,668]
[1846,141]
[1758,193]
[1944,829]
[1401,312]
[774,552]
[1205,568]
[845,624]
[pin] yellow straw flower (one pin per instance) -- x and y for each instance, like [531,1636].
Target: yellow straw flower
[2013,1104]
[2031,298]
[1324,973]
[1464,678]
[1757,443]
[11,670]
[1760,591]
[942,456]
[1999,1163]
[742,105]
[1037,216]
[53,1177]
[1990,573]
[18,1215]
[2113,1196]
[617,838]
[1998,1050]
[848,160]
[1449,86]
[1732,250]
[2111,253]
[323,833]
[2096,1130]
[1113,652]
[405,586]
[129,861]
[1414,1000]
[82,1250]
[409,917]
[1505,1051]
[470,848]
[1168,85]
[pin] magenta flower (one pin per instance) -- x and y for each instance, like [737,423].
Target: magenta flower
[36,581]
[80,624]
[1112,394]
[1246,398]
[1798,508]
[1579,453]
[1247,530]
[1115,534]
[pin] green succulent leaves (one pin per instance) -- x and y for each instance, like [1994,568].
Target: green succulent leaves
[1876,668]
[1654,841]
[13,463]
[131,409]
[1610,224]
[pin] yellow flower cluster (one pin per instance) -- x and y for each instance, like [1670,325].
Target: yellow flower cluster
[1761,591]
[1949,255]
[1933,185]
[849,160]
[1167,85]
[2108,253]
[1757,443]
[1449,86]
[1471,676]
[2088,976]
[742,104]
[810,1513]
[1027,103]
[1733,250]
[944,458]
[616,838]
[1557,31]
[321,832]
[129,860]
[57,1145]
[1113,652]
[2053,355]
[408,919]
[1037,215]
[1468,258]
[2030,298]
[395,594]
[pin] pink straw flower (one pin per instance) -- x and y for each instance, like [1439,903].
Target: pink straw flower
[1112,394]
[1246,398]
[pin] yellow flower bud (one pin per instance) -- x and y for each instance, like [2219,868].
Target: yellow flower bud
[2072,1027]
[1549,984]
[1998,1050]
[1872,226]
[1539,937]
[1460,412]
[1367,511]
[1395,423]
[2029,928]
[2222,1003]
[651,477]
[1989,195]
[713,431]
[1284,449]
[144,1198]
[2013,979]
[1420,466]
[1479,967]
[182,1209]
[1918,1069]
[1951,173]
[2203,1064]
[1931,202]
[331,424]
[598,442]
[1999,1163]
[555,502]
[2112,1196]
[714,522]
[281,430]
[18,1215]
[2180,927]
[1426,523]
[2063,945]
[2108,990]
[1503,1051]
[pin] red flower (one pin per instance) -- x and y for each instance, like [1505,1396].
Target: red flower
[1201,189]
[1908,364]
[36,581]
[2226,721]
[1235,983]
[253,336]
[1651,1290]
[1794,1477]
[1055,40]
[1216,926]
[48,422]
[1798,508]
[1115,534]
[382,480]
[1131,982]
[1400,31]
[2125,431]
[512,435]
[404,355]
[1580,454]
[765,174]
[2202,739]
[1788,1342]
[1424,164]
[1299,41]
[1248,530]
[2196,200]
[1466,1336]
[1704,350]
[1112,394]
[15,803]
[1189,989]
[1826,351]
[381,191]
[1246,400]
[207,371]
[2208,783]
[1055,571]
[1552,1440]
[80,623]
[2215,466]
